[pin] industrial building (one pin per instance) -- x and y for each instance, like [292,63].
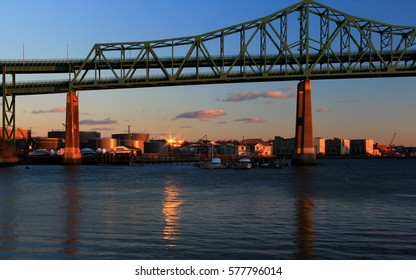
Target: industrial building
[362,147]
[337,147]
[83,136]
[319,145]
[284,147]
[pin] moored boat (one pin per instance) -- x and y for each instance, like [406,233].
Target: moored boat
[244,163]
[215,163]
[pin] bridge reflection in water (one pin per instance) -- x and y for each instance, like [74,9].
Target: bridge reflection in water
[304,213]
[171,210]
[73,210]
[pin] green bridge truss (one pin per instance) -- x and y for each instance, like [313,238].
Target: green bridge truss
[327,44]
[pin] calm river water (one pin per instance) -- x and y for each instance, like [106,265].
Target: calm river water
[340,209]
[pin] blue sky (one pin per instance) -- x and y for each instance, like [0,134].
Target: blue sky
[361,108]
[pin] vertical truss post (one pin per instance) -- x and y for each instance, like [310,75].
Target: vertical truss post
[242,46]
[172,60]
[302,31]
[122,61]
[263,44]
[222,72]
[345,37]
[197,47]
[9,110]
[97,60]
[386,44]
[324,35]
[386,40]
[283,40]
[304,36]
[147,47]
[324,26]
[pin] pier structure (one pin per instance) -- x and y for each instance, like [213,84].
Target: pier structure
[303,42]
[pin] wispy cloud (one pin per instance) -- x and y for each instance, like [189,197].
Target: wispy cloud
[250,120]
[348,101]
[324,110]
[53,110]
[202,115]
[187,126]
[252,95]
[102,129]
[106,121]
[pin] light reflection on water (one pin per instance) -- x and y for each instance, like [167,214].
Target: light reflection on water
[338,210]
[171,210]
[73,210]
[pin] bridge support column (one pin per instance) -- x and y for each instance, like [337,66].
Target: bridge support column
[72,153]
[304,148]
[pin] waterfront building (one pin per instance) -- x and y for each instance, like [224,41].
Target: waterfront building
[319,144]
[283,147]
[337,147]
[156,147]
[254,147]
[84,136]
[46,143]
[362,147]
[226,148]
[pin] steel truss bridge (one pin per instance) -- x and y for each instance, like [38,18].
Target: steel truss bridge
[305,41]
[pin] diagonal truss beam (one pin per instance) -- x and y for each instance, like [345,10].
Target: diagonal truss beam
[329,44]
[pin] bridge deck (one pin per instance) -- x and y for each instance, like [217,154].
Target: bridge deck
[247,69]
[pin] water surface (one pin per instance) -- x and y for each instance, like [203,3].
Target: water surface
[341,209]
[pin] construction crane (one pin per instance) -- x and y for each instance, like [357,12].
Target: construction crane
[391,145]
[390,148]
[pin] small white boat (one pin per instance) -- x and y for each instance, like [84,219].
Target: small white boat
[100,151]
[88,151]
[244,163]
[40,153]
[215,163]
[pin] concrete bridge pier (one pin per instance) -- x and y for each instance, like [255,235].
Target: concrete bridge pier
[72,153]
[304,148]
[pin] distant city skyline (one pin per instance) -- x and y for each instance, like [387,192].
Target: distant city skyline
[357,109]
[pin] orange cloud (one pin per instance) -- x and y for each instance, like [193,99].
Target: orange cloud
[106,121]
[252,95]
[202,115]
[53,110]
[250,120]
[324,110]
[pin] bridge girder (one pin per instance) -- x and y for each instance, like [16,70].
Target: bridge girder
[329,44]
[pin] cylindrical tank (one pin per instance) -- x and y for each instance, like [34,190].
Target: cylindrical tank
[132,144]
[47,143]
[132,136]
[155,147]
[103,143]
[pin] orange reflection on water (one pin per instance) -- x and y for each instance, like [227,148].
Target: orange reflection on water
[73,211]
[305,234]
[171,211]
